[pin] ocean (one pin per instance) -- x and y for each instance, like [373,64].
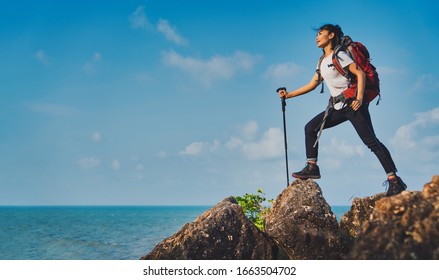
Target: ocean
[92,232]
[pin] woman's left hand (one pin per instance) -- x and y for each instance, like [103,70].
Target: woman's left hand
[356,104]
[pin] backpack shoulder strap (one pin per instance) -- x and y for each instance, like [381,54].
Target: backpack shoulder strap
[345,43]
[336,62]
[319,73]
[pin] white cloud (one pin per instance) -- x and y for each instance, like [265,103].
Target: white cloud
[115,164]
[391,71]
[217,67]
[162,154]
[283,72]
[214,146]
[416,144]
[340,149]
[143,77]
[247,133]
[269,146]
[41,56]
[89,162]
[406,136]
[138,19]
[234,143]
[140,167]
[425,83]
[431,141]
[250,130]
[97,57]
[96,137]
[170,32]
[193,149]
[90,66]
[199,148]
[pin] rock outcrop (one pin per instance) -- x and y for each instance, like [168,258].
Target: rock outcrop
[404,226]
[221,233]
[302,222]
[302,226]
[353,220]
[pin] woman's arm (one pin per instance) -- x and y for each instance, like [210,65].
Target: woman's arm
[311,85]
[361,84]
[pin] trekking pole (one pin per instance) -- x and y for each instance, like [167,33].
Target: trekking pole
[284,104]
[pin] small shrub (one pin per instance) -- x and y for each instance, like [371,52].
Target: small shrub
[254,210]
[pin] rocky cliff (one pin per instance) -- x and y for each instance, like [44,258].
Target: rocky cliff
[302,226]
[221,233]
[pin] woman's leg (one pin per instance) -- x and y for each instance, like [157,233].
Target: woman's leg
[363,125]
[312,128]
[335,117]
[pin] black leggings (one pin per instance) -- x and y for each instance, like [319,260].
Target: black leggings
[363,125]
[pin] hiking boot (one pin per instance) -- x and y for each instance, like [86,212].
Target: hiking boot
[396,186]
[311,171]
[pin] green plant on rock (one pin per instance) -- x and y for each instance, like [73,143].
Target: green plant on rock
[254,210]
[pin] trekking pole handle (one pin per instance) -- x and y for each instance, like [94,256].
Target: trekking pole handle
[281,88]
[283,97]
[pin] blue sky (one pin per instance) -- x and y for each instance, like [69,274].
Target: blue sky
[174,103]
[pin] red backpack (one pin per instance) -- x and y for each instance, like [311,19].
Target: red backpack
[360,55]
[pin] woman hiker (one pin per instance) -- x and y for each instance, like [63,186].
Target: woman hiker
[356,109]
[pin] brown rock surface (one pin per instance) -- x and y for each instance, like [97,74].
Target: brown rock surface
[302,222]
[404,226]
[353,220]
[221,233]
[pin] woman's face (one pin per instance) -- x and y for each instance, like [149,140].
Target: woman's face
[323,38]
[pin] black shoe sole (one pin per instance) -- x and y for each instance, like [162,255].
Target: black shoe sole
[388,194]
[306,177]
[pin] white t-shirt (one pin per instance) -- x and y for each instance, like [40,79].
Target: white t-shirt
[335,82]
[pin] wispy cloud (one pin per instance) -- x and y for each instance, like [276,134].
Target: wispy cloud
[162,155]
[218,67]
[391,71]
[143,77]
[248,143]
[426,83]
[96,137]
[269,146]
[255,147]
[407,136]
[339,150]
[283,72]
[249,130]
[139,20]
[90,66]
[199,148]
[42,57]
[89,162]
[170,32]
[115,164]
[416,144]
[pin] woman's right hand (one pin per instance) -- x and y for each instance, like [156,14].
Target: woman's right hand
[282,93]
